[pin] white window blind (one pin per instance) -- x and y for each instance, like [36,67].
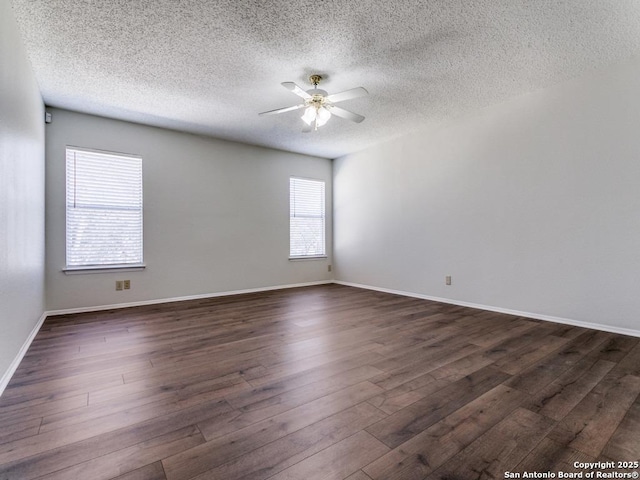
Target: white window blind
[104,209]
[307,219]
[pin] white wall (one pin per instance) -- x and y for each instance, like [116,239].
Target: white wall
[532,205]
[216,214]
[21,196]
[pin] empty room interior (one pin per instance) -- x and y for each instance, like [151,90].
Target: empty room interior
[319,239]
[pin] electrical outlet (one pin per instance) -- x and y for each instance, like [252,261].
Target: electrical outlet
[118,285]
[328,268]
[447,280]
[127,284]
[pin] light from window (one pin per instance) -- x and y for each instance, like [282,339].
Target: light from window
[307,219]
[104,209]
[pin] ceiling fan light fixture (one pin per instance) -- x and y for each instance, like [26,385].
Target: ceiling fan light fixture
[309,115]
[322,116]
[316,116]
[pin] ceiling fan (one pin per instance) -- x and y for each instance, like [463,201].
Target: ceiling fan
[319,105]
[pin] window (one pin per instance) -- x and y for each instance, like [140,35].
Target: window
[104,209]
[307,221]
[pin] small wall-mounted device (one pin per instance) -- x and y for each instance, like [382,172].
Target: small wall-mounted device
[47,117]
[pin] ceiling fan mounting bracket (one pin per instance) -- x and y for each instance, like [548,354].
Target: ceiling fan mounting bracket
[315,79]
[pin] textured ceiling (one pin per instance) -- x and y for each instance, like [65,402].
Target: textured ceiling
[209,67]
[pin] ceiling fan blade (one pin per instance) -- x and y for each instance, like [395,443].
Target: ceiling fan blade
[346,114]
[296,89]
[282,110]
[348,95]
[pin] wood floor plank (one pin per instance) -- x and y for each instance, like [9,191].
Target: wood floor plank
[177,383]
[265,391]
[496,346]
[390,404]
[219,450]
[272,406]
[338,461]
[425,362]
[625,442]
[591,423]
[71,386]
[302,376]
[295,447]
[306,349]
[630,363]
[21,429]
[417,417]
[325,381]
[32,461]
[530,354]
[404,395]
[202,368]
[50,370]
[513,330]
[309,363]
[499,450]
[426,451]
[167,399]
[38,405]
[562,395]
[128,460]
[616,348]
[149,472]
[542,373]
[304,394]
[359,475]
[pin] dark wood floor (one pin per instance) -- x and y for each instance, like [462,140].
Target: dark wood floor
[327,382]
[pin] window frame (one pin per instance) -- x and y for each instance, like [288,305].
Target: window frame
[103,268]
[324,219]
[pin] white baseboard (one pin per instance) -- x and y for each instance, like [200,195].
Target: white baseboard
[536,316]
[4,381]
[181,299]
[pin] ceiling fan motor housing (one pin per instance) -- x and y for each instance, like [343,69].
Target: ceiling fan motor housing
[318,98]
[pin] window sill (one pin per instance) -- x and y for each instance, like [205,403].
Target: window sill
[310,257]
[103,269]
